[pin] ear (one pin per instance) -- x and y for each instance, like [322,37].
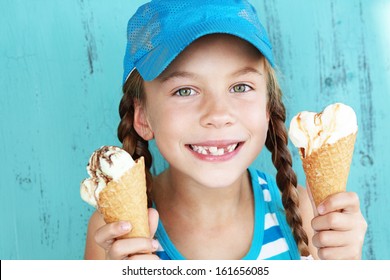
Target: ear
[141,123]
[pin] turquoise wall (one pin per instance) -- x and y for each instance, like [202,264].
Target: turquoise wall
[60,82]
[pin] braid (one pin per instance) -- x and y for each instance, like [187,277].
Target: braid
[286,178]
[134,144]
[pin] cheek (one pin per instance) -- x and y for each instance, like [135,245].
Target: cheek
[263,125]
[267,123]
[259,120]
[163,121]
[258,113]
[154,115]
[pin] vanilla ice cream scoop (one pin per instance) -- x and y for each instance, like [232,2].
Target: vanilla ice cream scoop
[106,164]
[309,131]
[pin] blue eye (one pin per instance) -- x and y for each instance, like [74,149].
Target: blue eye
[240,88]
[184,92]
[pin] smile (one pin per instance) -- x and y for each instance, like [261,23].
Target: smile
[214,150]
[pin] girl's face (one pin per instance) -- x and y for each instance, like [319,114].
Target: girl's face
[207,110]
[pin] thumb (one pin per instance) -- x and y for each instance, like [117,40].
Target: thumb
[315,212]
[153,221]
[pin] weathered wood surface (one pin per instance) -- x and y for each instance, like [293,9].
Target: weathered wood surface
[61,64]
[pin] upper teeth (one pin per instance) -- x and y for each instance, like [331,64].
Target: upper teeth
[212,150]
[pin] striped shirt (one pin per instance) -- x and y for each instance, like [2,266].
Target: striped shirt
[272,237]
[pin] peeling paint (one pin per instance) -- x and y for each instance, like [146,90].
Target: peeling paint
[272,24]
[90,42]
[366,128]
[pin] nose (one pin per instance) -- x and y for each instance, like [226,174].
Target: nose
[218,111]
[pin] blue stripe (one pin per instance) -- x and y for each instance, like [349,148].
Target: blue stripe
[163,255]
[167,244]
[264,187]
[268,210]
[272,234]
[258,235]
[277,207]
[282,256]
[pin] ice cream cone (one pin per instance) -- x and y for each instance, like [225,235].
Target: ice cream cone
[126,200]
[328,167]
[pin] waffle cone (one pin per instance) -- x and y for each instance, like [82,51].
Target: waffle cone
[126,200]
[327,168]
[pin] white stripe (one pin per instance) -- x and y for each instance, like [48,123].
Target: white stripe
[267,195]
[270,220]
[262,181]
[273,248]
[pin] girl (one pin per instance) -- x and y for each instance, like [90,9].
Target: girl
[200,81]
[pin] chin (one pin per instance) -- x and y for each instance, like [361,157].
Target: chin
[220,179]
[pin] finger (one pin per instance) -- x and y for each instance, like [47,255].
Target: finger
[153,221]
[342,202]
[151,257]
[332,221]
[315,212]
[106,235]
[338,253]
[330,238]
[123,248]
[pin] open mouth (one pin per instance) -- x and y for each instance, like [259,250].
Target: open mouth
[214,150]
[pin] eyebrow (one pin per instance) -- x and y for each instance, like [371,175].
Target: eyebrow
[177,74]
[184,74]
[247,70]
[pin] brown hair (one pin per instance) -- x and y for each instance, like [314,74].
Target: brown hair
[276,142]
[134,144]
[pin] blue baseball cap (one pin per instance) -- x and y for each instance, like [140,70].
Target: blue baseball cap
[161,29]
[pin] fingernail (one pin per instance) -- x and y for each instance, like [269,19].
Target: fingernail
[321,209]
[125,226]
[155,244]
